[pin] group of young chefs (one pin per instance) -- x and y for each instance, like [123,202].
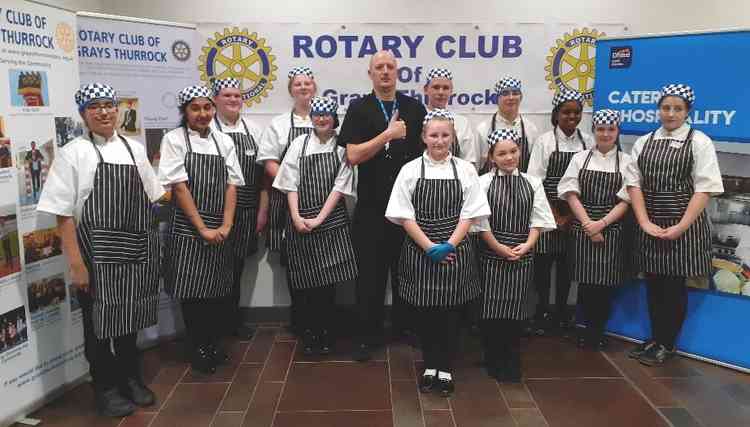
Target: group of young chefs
[455,216]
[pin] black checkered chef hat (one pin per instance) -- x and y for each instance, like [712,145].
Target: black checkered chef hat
[300,71]
[438,112]
[507,83]
[439,73]
[564,95]
[220,84]
[321,105]
[191,92]
[679,90]
[498,135]
[92,92]
[606,117]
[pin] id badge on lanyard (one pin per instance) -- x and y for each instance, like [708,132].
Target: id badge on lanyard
[388,119]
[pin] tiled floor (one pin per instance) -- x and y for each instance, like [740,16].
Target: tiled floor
[269,383]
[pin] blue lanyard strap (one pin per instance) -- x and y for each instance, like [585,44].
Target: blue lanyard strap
[385,113]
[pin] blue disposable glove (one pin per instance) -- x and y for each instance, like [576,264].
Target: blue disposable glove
[438,252]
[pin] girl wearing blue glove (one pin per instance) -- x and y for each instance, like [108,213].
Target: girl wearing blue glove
[436,198]
[520,213]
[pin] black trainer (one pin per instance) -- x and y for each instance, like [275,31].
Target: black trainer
[362,353]
[641,348]
[656,355]
[138,393]
[426,383]
[112,404]
[446,387]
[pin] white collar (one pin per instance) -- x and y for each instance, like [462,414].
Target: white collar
[679,133]
[507,122]
[100,140]
[432,162]
[195,133]
[500,172]
[606,155]
[225,122]
[561,135]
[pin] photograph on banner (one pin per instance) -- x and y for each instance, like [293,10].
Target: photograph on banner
[34,160]
[46,292]
[153,144]
[6,158]
[41,244]
[66,129]
[730,216]
[128,116]
[13,329]
[28,88]
[10,259]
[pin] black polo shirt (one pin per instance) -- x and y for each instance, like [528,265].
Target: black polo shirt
[364,121]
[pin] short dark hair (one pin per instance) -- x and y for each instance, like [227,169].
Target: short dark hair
[183,109]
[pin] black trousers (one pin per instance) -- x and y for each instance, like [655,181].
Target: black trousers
[377,244]
[438,329]
[542,280]
[317,308]
[596,303]
[204,319]
[232,310]
[36,181]
[294,315]
[108,369]
[667,307]
[501,340]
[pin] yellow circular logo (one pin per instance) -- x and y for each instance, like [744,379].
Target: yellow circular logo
[243,56]
[571,63]
[65,37]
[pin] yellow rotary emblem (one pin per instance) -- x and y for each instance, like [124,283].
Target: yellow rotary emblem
[243,56]
[65,37]
[571,63]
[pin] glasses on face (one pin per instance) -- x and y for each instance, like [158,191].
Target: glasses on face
[509,92]
[95,108]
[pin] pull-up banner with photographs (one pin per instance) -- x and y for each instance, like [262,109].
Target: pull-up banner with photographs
[545,57]
[148,62]
[41,343]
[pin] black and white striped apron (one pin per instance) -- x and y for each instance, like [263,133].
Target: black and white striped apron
[506,283]
[424,283]
[324,256]
[244,239]
[278,209]
[196,269]
[667,186]
[555,242]
[523,144]
[598,263]
[120,246]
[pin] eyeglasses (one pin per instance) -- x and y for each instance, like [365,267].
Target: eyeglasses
[108,108]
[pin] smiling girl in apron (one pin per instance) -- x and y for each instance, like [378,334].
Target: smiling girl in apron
[436,198]
[673,175]
[590,186]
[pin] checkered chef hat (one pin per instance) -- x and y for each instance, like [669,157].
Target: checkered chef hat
[564,95]
[303,70]
[323,105]
[507,83]
[680,90]
[191,92]
[606,117]
[498,135]
[220,84]
[438,112]
[439,73]
[92,92]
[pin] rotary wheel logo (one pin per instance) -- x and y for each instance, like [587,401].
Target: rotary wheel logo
[180,50]
[64,37]
[571,63]
[243,56]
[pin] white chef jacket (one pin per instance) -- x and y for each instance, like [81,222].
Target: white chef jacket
[174,149]
[541,213]
[484,129]
[71,177]
[400,206]
[603,162]
[287,180]
[274,138]
[545,146]
[237,127]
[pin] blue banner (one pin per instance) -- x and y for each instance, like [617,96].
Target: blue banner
[631,71]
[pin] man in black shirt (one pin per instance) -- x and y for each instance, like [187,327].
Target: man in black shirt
[381,132]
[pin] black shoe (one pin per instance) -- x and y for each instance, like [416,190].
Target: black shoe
[512,372]
[362,353]
[202,361]
[542,324]
[641,348]
[602,343]
[656,355]
[446,387]
[326,343]
[112,404]
[309,343]
[217,354]
[137,393]
[426,383]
